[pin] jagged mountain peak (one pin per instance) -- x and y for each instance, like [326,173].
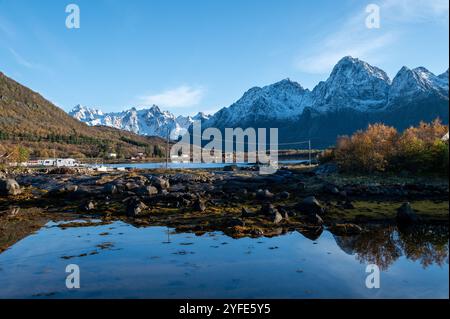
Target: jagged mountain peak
[353,83]
[82,112]
[349,66]
[413,83]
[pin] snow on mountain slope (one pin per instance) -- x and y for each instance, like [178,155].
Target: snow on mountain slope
[282,100]
[353,84]
[411,84]
[149,122]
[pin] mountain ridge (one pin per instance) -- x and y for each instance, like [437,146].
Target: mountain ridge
[354,95]
[146,121]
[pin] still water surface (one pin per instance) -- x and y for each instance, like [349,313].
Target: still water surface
[121,261]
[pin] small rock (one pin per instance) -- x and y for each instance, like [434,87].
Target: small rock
[135,208]
[230,168]
[88,206]
[70,188]
[257,232]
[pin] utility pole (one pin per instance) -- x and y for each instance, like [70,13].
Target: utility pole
[309,148]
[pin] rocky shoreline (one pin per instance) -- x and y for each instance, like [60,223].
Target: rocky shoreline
[237,201]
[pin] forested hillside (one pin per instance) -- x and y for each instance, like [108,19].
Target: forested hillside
[27,120]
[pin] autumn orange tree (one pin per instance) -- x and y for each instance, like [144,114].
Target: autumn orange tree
[381,148]
[368,150]
[421,148]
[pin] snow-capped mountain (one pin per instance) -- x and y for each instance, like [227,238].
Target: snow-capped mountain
[149,122]
[354,95]
[411,84]
[281,100]
[353,85]
[84,114]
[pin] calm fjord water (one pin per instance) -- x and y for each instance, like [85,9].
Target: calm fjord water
[121,261]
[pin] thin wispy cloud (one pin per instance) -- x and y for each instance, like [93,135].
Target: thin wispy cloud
[182,96]
[355,39]
[26,63]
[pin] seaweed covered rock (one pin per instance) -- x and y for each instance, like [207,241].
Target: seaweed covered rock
[135,208]
[9,187]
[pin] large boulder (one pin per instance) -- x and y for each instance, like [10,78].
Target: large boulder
[311,206]
[406,214]
[9,187]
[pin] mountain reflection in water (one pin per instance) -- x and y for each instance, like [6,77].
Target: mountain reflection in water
[120,260]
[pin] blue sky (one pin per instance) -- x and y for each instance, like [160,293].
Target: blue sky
[201,55]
